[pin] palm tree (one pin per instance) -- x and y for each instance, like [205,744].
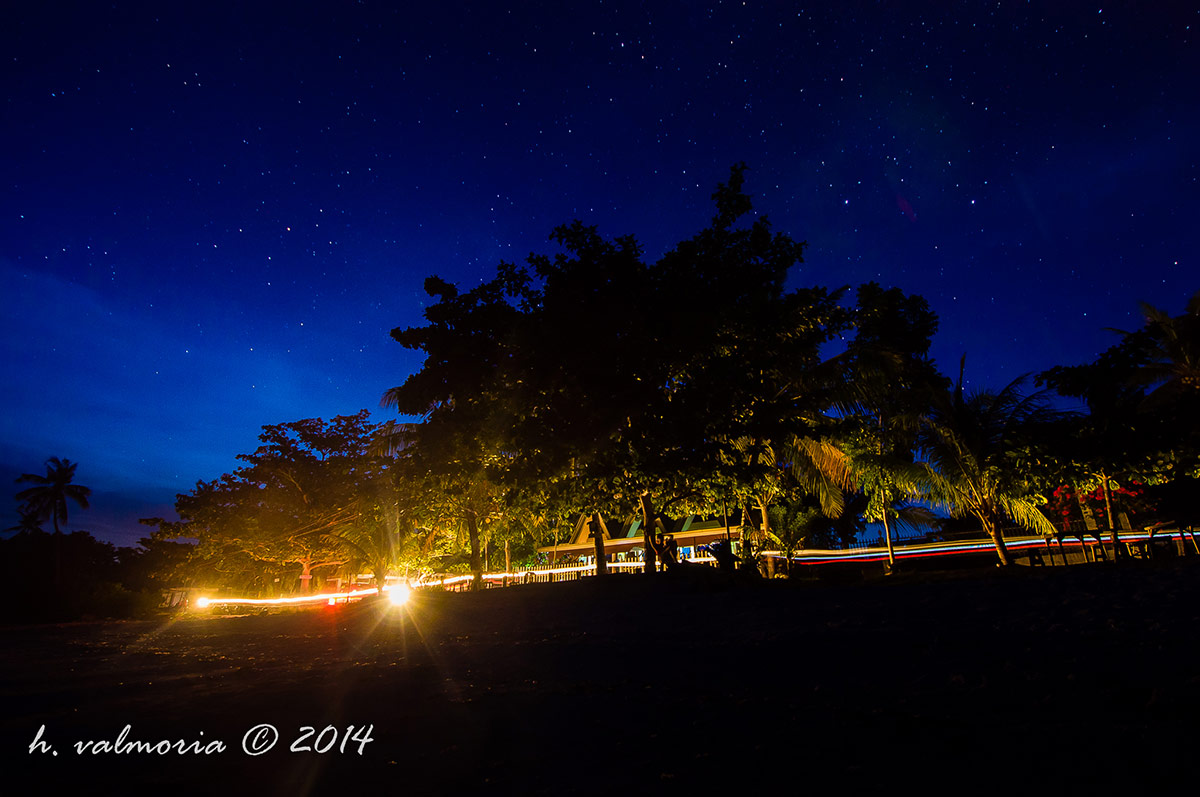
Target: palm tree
[47,499]
[815,467]
[892,383]
[973,447]
[889,481]
[29,522]
[1174,349]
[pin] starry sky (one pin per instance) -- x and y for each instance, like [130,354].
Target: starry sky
[212,215]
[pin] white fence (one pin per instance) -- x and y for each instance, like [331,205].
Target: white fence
[540,574]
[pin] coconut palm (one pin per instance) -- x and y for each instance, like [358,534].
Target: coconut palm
[47,499]
[890,482]
[974,446]
[29,522]
[811,466]
[1174,349]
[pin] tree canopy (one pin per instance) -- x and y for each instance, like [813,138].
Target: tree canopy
[591,382]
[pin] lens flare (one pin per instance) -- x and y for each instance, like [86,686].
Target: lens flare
[399,594]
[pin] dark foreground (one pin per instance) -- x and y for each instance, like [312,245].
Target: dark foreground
[1084,677]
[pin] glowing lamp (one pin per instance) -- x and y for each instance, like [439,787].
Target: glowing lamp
[202,603]
[398,595]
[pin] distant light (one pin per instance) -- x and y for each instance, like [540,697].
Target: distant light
[399,595]
[202,603]
[332,602]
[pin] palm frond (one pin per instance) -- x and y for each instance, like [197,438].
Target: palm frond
[822,470]
[1025,514]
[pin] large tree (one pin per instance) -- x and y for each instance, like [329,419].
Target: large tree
[892,383]
[601,384]
[310,497]
[460,396]
[1142,395]
[655,388]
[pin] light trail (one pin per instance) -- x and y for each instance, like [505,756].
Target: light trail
[931,549]
[400,593]
[321,597]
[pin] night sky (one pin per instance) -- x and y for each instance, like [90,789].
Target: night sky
[211,219]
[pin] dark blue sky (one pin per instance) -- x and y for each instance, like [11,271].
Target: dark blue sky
[212,218]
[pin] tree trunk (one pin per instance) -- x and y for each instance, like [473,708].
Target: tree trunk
[887,533]
[507,563]
[59,584]
[306,575]
[598,539]
[998,539]
[476,563]
[749,559]
[1112,527]
[766,529]
[651,559]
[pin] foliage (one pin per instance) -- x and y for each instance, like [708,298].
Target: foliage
[314,495]
[979,449]
[1142,396]
[1063,504]
[590,381]
[1172,346]
[96,579]
[796,526]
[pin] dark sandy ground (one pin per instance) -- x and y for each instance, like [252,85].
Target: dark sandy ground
[1084,678]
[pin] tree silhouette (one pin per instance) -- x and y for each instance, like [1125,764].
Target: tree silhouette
[47,499]
[29,521]
[1142,395]
[1174,349]
[591,382]
[663,387]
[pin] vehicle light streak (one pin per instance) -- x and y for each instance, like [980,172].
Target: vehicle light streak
[554,571]
[931,549]
[398,594]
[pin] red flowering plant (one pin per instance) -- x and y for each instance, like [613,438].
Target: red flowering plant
[1060,506]
[1131,498]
